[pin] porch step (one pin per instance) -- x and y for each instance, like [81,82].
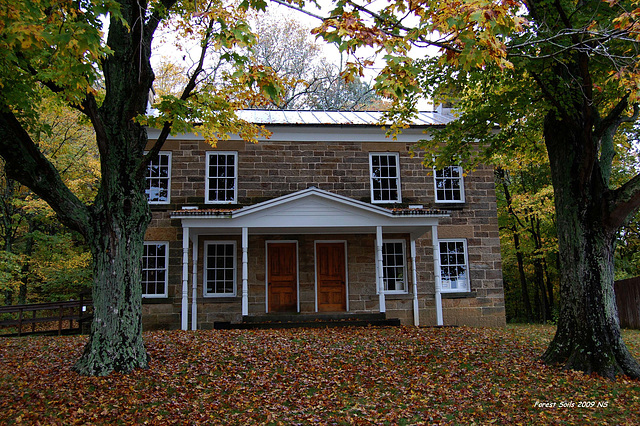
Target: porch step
[309,320]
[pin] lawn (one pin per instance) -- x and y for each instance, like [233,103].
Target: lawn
[402,375]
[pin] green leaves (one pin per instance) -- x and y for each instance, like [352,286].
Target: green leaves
[53,42]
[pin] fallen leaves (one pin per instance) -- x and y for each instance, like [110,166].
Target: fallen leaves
[401,375]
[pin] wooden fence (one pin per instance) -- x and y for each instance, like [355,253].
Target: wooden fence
[59,318]
[628,301]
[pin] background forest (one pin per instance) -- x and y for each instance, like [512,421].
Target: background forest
[40,260]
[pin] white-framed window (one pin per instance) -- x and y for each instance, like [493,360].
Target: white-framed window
[449,184]
[220,268]
[385,177]
[155,264]
[394,266]
[454,265]
[221,183]
[158,185]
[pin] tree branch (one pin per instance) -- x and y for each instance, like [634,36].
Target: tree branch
[25,163]
[623,202]
[186,93]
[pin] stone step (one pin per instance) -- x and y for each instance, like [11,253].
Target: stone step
[392,322]
[304,317]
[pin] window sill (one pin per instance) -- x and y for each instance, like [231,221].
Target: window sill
[220,299]
[459,294]
[155,300]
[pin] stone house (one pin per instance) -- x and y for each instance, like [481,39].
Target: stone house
[327,215]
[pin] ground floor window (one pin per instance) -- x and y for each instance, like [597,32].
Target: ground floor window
[394,266]
[154,269]
[220,269]
[453,265]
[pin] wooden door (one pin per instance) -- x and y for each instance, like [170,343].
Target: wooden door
[331,273]
[282,277]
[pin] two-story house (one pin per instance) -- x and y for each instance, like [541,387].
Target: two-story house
[327,215]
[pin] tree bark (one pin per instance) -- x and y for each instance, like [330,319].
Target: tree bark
[115,342]
[588,336]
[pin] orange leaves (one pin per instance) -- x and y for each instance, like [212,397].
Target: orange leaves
[345,376]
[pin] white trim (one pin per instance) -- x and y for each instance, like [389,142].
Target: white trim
[194,285]
[245,271]
[208,243]
[435,188]
[436,268]
[310,211]
[207,177]
[399,183]
[166,271]
[266,272]
[380,269]
[414,280]
[168,201]
[309,133]
[315,270]
[185,278]
[466,264]
[404,265]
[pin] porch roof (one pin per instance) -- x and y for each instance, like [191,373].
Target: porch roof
[310,211]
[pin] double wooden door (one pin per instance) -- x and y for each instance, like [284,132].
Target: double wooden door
[331,277]
[282,277]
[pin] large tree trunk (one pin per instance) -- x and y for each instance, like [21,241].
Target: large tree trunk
[121,213]
[588,336]
[115,342]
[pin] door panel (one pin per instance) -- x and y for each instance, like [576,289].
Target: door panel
[331,277]
[282,277]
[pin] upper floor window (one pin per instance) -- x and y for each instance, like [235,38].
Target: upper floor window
[155,260]
[221,185]
[454,270]
[159,179]
[385,177]
[449,185]
[394,266]
[220,269]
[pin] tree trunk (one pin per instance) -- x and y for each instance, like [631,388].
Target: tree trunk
[115,342]
[588,336]
[120,214]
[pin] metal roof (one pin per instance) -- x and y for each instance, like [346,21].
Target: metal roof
[363,118]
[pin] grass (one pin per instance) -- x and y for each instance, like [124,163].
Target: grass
[395,376]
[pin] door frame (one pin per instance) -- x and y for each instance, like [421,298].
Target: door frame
[266,273]
[315,270]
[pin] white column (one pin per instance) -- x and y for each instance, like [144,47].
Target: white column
[380,283]
[414,271]
[438,278]
[185,278]
[194,286]
[245,271]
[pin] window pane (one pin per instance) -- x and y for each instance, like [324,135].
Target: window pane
[393,266]
[385,183]
[154,269]
[158,179]
[220,269]
[453,265]
[448,184]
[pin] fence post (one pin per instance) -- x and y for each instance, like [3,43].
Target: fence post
[20,323]
[60,314]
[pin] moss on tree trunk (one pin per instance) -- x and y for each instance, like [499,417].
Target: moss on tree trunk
[588,336]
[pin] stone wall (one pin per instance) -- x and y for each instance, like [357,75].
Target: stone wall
[271,169]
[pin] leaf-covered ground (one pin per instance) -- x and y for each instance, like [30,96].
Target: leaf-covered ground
[401,375]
